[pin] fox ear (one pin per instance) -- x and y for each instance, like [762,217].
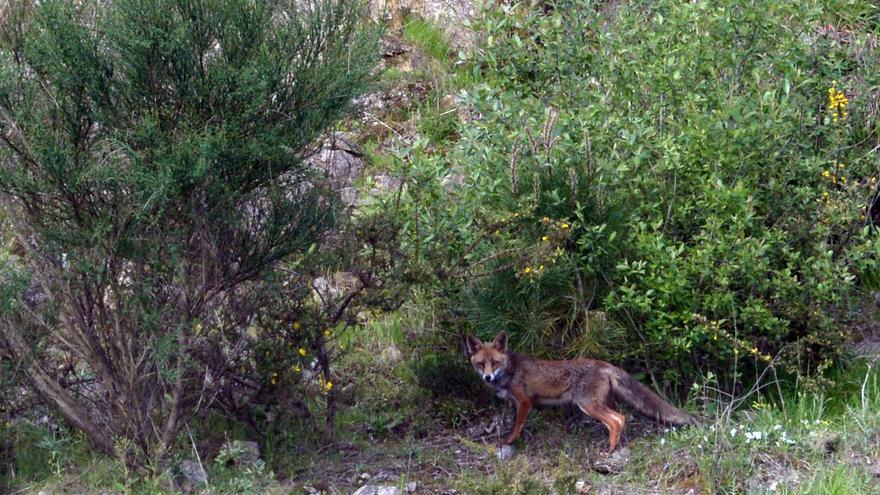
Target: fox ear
[473,344]
[500,341]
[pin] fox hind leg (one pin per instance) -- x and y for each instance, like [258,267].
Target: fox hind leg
[612,420]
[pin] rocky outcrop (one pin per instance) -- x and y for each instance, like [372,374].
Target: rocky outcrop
[453,16]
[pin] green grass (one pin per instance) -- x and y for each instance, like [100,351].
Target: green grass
[427,37]
[808,443]
[840,480]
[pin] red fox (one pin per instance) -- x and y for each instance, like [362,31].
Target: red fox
[586,383]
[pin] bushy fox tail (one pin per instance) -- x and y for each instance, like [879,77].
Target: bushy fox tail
[628,390]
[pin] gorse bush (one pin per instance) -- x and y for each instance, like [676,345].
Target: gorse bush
[678,187]
[151,169]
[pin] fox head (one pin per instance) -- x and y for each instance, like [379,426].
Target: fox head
[490,360]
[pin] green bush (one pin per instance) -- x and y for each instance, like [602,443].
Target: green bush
[678,187]
[154,180]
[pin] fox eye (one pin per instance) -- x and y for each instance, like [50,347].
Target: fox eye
[494,363]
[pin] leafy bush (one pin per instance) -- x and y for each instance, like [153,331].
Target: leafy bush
[679,187]
[153,177]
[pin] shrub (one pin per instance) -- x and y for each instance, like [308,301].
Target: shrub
[679,187]
[153,177]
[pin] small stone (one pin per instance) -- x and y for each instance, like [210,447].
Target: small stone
[378,490]
[447,102]
[581,487]
[613,463]
[505,452]
[454,181]
[193,472]
[411,487]
[392,355]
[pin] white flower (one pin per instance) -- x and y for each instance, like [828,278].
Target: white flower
[733,432]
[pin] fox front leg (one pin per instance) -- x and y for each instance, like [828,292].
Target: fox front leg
[523,406]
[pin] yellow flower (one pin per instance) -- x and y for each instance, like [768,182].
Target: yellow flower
[545,238]
[326,333]
[564,226]
[328,386]
[527,269]
[826,173]
[296,325]
[296,368]
[825,194]
[302,352]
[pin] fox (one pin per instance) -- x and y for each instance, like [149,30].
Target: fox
[590,384]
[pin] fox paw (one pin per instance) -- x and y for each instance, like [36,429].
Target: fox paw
[505,452]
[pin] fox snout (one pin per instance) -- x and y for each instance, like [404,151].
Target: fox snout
[489,378]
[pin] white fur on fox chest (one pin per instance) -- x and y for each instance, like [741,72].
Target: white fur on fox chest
[502,393]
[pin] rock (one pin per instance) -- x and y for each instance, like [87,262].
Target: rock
[244,453]
[385,183]
[402,95]
[581,486]
[378,490]
[505,452]
[328,290]
[392,46]
[391,355]
[350,196]
[339,159]
[454,181]
[452,16]
[193,474]
[447,102]
[411,487]
[612,463]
